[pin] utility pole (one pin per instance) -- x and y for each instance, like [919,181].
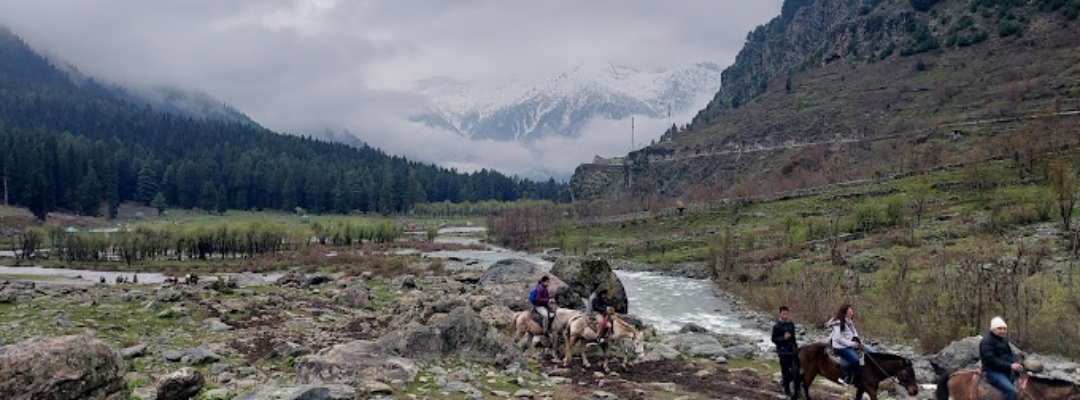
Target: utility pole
[630,168]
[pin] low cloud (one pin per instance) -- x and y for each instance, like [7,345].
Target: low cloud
[304,65]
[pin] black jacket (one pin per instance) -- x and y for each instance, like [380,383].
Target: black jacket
[784,346]
[599,304]
[995,353]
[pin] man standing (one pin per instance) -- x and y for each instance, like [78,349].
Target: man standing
[783,336]
[997,358]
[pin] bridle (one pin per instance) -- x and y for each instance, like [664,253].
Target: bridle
[888,376]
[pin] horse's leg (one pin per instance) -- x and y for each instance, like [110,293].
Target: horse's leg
[808,378]
[584,353]
[872,391]
[858,392]
[625,360]
[528,343]
[569,349]
[605,348]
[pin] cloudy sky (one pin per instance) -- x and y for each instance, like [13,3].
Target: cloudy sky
[298,65]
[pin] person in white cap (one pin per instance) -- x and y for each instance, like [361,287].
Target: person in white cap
[997,358]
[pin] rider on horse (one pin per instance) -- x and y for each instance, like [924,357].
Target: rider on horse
[845,339]
[541,301]
[997,358]
[598,304]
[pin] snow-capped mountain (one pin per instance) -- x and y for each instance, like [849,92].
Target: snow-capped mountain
[524,111]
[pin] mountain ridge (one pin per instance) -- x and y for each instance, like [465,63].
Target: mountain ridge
[830,92]
[32,65]
[562,105]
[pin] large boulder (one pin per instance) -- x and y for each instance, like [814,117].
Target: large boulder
[583,275]
[62,368]
[508,282]
[962,354]
[352,363]
[462,333]
[355,296]
[182,384]
[697,344]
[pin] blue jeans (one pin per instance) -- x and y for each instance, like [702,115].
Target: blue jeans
[1002,382]
[851,360]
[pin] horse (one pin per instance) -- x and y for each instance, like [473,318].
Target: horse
[523,325]
[962,385]
[579,329]
[813,361]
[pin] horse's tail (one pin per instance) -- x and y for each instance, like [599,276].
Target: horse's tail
[942,392]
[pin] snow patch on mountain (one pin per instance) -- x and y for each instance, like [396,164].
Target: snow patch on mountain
[562,105]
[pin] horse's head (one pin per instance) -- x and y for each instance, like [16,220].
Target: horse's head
[906,377]
[639,344]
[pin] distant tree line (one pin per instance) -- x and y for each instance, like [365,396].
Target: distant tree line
[66,148]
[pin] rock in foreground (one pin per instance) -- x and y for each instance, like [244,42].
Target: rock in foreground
[62,368]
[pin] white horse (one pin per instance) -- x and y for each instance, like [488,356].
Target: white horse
[580,330]
[524,325]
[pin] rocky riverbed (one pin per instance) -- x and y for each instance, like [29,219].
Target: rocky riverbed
[334,336]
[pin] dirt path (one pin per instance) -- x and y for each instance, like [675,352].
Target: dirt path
[647,380]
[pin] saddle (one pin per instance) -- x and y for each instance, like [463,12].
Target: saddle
[538,319]
[838,361]
[594,324]
[977,378]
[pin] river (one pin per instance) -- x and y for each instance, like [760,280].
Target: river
[666,302]
[669,303]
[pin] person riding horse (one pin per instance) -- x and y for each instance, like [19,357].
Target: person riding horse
[541,301]
[598,304]
[845,339]
[997,358]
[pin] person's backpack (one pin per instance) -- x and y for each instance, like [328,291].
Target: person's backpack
[532,296]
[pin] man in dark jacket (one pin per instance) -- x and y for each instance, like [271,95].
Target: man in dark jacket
[997,358]
[783,336]
[598,306]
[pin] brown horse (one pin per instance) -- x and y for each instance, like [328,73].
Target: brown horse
[580,330]
[813,361]
[523,325]
[962,385]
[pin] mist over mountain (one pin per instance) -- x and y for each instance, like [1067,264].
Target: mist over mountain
[562,105]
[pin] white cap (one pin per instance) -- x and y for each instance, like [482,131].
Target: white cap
[997,322]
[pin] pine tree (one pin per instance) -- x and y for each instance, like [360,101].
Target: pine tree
[159,203]
[221,199]
[146,187]
[89,193]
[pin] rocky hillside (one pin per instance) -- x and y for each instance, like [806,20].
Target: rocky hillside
[836,91]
